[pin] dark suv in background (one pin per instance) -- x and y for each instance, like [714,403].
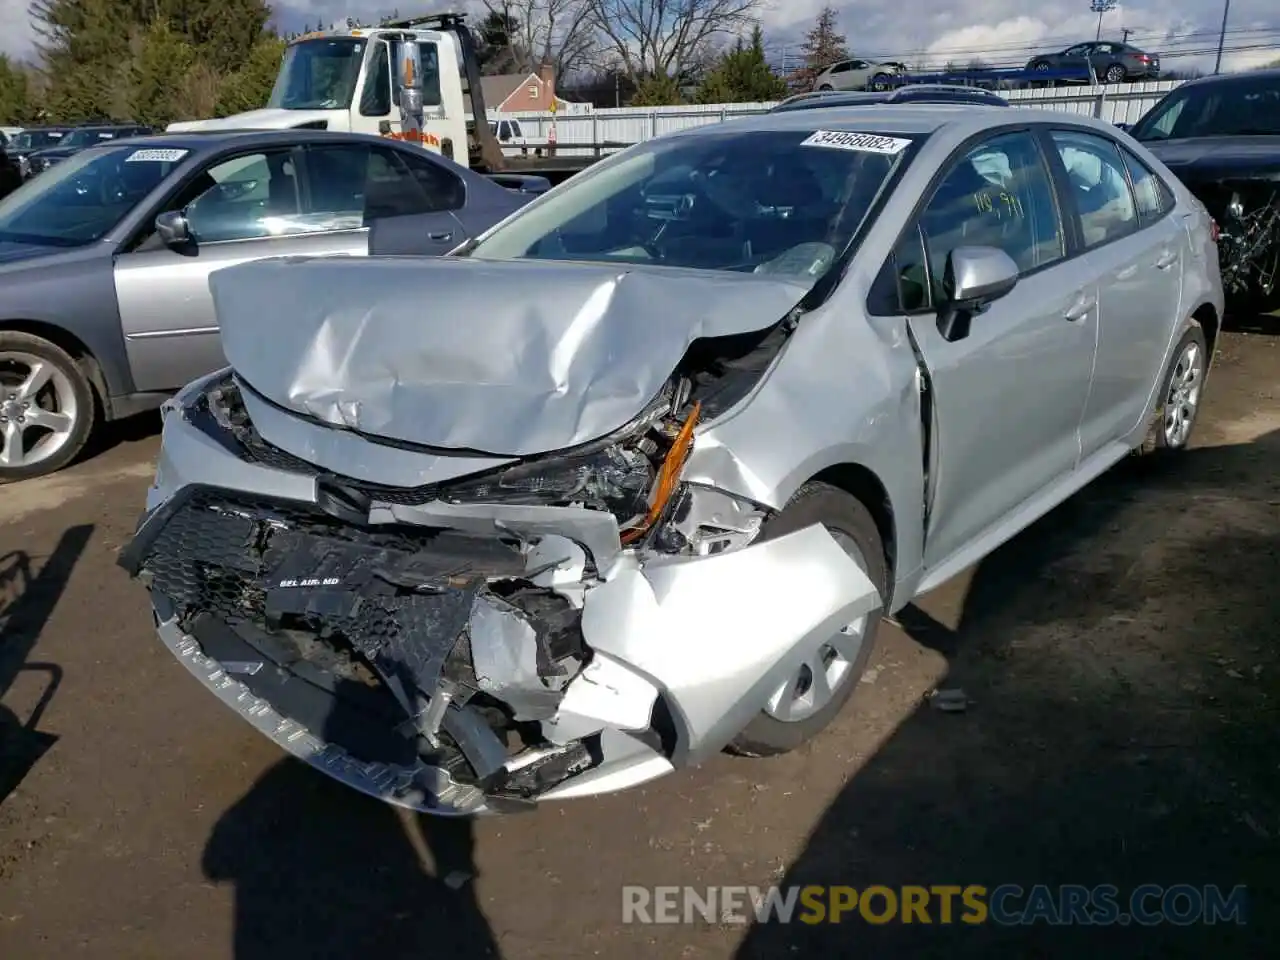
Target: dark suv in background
[75,140]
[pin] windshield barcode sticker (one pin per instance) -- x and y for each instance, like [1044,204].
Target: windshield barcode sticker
[155,155]
[861,142]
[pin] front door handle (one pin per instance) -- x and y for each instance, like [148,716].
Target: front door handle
[1167,259]
[444,235]
[1080,309]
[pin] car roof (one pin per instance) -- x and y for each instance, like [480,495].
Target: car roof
[1242,77]
[209,141]
[913,93]
[904,119]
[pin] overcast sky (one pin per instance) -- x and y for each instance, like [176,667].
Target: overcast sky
[998,31]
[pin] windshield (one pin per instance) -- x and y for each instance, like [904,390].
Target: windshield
[35,139]
[318,74]
[80,200]
[785,202]
[84,138]
[1243,106]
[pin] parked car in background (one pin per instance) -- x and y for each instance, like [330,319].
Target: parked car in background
[1112,62]
[857,75]
[716,409]
[30,140]
[105,259]
[77,139]
[508,132]
[914,93]
[1221,136]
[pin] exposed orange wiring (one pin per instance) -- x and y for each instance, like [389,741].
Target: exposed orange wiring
[668,475]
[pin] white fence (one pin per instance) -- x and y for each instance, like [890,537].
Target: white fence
[1116,104]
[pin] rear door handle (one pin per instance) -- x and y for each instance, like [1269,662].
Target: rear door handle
[1167,259]
[443,235]
[1080,309]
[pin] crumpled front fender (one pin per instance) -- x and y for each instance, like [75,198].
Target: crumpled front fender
[717,635]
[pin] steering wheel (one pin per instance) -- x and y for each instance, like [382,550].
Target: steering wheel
[726,194]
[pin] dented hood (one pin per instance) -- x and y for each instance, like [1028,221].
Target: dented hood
[509,358]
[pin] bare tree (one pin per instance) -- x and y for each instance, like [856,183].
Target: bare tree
[559,32]
[666,37]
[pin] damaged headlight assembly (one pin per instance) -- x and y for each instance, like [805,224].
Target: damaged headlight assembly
[475,640]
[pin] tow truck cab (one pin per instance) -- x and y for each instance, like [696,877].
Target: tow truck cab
[355,79]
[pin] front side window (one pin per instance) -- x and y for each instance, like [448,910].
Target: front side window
[375,100]
[765,202]
[998,194]
[248,197]
[80,200]
[1237,106]
[318,74]
[1095,171]
[429,54]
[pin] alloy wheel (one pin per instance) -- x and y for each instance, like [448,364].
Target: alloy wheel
[38,410]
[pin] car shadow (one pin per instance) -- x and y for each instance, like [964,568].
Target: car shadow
[1118,727]
[108,436]
[27,600]
[320,870]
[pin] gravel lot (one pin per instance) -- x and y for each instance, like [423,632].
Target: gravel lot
[1120,657]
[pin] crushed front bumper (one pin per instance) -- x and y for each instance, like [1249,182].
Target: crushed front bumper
[466,661]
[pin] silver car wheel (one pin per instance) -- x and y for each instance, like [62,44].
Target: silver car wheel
[1183,400]
[38,409]
[829,668]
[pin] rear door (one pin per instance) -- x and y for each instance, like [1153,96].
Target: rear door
[1007,399]
[413,204]
[1137,259]
[243,207]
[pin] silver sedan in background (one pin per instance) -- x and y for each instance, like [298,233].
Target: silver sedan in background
[719,405]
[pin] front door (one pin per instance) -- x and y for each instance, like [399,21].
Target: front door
[241,208]
[1008,397]
[1135,251]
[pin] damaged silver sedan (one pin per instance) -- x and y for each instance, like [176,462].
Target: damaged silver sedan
[634,477]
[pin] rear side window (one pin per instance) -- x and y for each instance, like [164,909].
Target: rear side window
[1099,185]
[1152,195]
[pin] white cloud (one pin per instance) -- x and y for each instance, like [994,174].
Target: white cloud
[1184,32]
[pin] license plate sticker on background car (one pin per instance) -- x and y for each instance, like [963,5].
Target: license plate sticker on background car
[861,142]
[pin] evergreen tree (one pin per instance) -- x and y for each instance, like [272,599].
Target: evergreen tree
[15,93]
[743,76]
[823,46]
[657,91]
[249,87]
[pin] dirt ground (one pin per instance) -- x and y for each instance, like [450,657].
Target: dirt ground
[1120,658]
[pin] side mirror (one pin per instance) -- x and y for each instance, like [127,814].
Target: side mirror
[974,278]
[173,229]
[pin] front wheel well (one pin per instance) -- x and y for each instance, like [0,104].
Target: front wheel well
[74,346]
[863,485]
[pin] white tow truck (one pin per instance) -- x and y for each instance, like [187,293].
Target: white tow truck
[415,79]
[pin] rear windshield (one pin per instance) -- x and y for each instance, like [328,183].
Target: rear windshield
[756,201]
[1238,107]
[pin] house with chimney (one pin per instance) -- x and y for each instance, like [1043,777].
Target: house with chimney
[522,92]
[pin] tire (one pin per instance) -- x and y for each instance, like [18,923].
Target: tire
[767,735]
[1115,74]
[826,86]
[1161,438]
[65,402]
[880,82]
